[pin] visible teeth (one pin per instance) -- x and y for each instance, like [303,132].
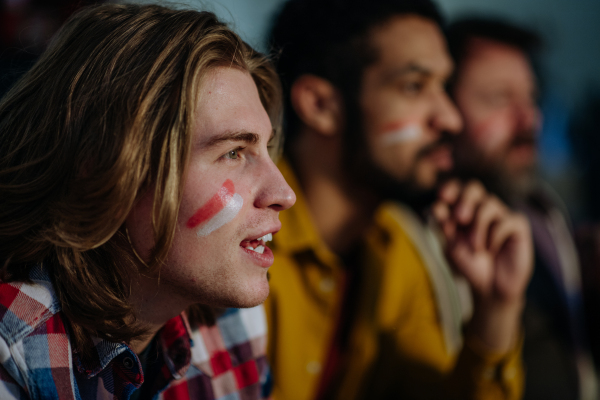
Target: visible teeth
[259,249]
[267,238]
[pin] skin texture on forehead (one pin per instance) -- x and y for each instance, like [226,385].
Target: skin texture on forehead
[418,40]
[489,64]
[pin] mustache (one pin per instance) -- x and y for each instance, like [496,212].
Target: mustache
[445,140]
[524,138]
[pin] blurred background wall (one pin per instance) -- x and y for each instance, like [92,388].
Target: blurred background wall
[569,70]
[571,29]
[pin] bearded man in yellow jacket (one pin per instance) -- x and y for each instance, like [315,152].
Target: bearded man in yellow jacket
[354,312]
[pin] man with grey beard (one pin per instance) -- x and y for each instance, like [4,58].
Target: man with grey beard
[495,90]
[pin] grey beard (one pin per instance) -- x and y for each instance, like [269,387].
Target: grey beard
[512,188]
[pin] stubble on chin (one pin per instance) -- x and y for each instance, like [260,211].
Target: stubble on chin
[510,184]
[517,185]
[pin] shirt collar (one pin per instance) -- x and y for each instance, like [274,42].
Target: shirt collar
[174,342]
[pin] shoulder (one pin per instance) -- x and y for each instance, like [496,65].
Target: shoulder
[398,240]
[24,306]
[33,340]
[249,320]
[230,356]
[243,328]
[234,328]
[395,235]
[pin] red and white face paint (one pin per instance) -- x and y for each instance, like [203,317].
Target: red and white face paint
[218,211]
[400,132]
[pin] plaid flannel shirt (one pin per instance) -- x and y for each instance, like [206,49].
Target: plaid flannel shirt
[223,362]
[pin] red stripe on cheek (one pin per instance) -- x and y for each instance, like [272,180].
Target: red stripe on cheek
[392,127]
[213,206]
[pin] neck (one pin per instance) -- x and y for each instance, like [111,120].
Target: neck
[341,211]
[155,304]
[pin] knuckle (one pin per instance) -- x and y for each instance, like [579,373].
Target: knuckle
[499,204]
[523,220]
[519,220]
[477,186]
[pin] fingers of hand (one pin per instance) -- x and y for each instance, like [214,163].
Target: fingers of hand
[461,257]
[450,191]
[490,211]
[471,196]
[440,211]
[472,265]
[512,227]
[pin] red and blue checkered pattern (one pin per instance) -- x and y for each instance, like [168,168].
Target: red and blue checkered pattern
[223,362]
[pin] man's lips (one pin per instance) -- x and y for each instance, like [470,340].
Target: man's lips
[522,154]
[258,250]
[441,156]
[264,259]
[257,243]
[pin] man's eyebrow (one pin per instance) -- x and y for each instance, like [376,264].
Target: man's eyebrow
[410,68]
[248,137]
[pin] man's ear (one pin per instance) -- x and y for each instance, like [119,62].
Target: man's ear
[318,104]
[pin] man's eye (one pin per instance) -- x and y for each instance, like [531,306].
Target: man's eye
[232,154]
[499,99]
[412,88]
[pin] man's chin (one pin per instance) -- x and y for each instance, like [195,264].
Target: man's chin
[251,293]
[521,183]
[246,302]
[417,194]
[254,297]
[511,185]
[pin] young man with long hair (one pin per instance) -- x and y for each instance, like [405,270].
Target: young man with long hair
[137,194]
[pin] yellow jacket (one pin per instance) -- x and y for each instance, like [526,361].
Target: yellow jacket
[396,345]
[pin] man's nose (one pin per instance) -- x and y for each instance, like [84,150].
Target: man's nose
[446,116]
[275,193]
[527,116]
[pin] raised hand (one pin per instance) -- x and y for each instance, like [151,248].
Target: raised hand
[492,247]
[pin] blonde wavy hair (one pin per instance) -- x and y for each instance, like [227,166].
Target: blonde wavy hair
[104,116]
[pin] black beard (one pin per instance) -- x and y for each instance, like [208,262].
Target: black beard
[366,175]
[420,200]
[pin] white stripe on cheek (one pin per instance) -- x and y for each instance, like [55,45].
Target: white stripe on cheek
[231,209]
[409,132]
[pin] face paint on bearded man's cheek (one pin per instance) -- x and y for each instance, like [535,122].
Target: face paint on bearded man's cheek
[399,132]
[218,211]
